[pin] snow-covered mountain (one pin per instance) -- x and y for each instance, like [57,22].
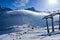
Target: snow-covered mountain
[32,9]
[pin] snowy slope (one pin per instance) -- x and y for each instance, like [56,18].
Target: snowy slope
[28,33]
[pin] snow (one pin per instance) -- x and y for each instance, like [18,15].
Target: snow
[28,33]
[21,23]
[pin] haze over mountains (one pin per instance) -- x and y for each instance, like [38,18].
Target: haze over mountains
[30,16]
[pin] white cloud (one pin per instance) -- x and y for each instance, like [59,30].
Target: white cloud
[19,3]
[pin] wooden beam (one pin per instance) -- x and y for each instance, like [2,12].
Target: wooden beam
[52,24]
[48,16]
[59,21]
[47,25]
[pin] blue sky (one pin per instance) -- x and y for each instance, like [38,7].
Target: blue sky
[40,5]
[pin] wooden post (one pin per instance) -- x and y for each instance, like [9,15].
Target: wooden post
[47,25]
[59,21]
[52,24]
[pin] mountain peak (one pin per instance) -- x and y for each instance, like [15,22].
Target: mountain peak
[32,9]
